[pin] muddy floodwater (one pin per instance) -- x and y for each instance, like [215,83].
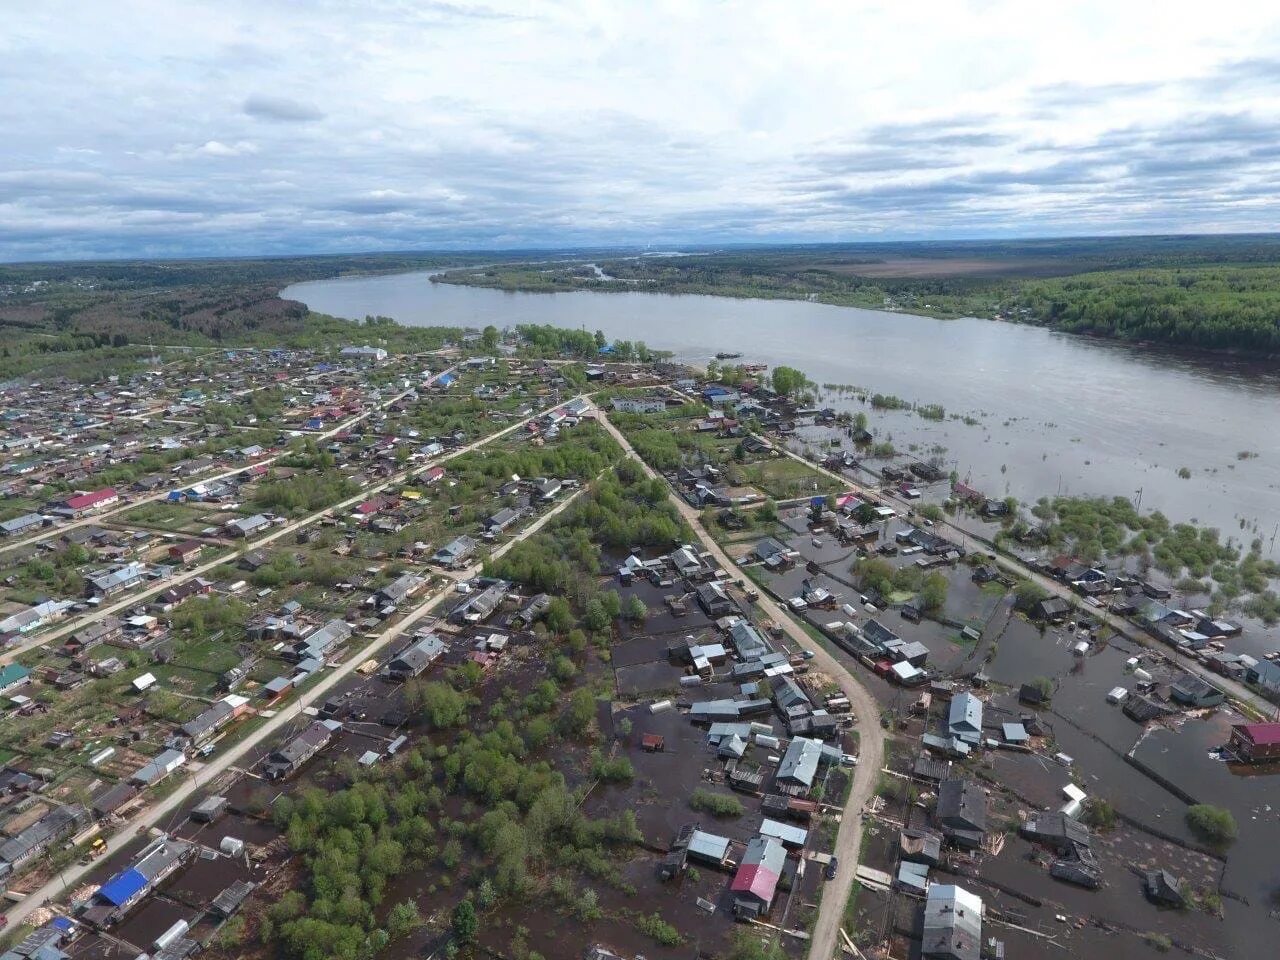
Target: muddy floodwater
[1049,411]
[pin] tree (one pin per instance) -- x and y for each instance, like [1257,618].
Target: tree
[595,618]
[577,717]
[1027,594]
[402,919]
[1212,824]
[636,611]
[438,703]
[465,923]
[489,338]
[558,616]
[933,593]
[788,380]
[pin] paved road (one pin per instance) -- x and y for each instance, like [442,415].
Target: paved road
[1012,565]
[835,895]
[152,815]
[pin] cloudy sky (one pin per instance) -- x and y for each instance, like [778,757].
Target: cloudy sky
[163,128]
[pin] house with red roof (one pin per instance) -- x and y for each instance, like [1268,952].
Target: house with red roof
[756,882]
[83,503]
[1255,742]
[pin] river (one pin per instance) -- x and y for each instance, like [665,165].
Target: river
[1055,412]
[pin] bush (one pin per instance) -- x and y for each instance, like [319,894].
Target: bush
[1212,824]
[654,926]
[1100,815]
[716,804]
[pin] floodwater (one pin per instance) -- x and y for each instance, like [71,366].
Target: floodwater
[1055,412]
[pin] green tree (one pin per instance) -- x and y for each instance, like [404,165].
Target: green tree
[636,610]
[465,923]
[788,381]
[489,338]
[933,593]
[403,919]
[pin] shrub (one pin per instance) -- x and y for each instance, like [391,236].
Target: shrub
[1212,824]
[716,804]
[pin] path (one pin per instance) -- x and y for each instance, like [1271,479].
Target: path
[866,710]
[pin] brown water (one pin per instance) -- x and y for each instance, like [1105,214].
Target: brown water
[1056,412]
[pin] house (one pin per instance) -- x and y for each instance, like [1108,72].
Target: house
[480,606]
[206,724]
[1192,691]
[35,839]
[27,523]
[397,591]
[791,700]
[107,583]
[12,676]
[964,719]
[962,812]
[1163,888]
[1051,610]
[773,553]
[952,924]
[714,600]
[547,488]
[157,768]
[416,657]
[290,758]
[85,503]
[638,404]
[756,881]
[320,643]
[748,643]
[799,766]
[243,527]
[455,553]
[1255,742]
[186,551]
[1264,674]
[499,522]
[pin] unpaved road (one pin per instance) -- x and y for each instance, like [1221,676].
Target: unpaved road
[152,815]
[835,895]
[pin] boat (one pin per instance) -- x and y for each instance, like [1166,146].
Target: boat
[727,356]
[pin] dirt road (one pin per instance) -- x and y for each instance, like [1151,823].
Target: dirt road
[152,815]
[835,895]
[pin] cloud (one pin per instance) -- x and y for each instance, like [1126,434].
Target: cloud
[321,126]
[216,148]
[281,110]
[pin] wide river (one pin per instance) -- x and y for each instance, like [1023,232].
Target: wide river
[1055,412]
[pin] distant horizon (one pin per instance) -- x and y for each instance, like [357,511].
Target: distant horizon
[668,248]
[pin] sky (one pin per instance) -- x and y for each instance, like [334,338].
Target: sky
[163,128]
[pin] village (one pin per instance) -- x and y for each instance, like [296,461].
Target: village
[239,581]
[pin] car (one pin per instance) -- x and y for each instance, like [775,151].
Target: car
[830,870]
[816,541]
[927,522]
[848,760]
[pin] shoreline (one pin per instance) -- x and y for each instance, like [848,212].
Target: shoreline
[1185,350]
